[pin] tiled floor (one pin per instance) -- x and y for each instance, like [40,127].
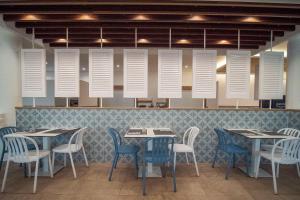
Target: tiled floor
[92,184]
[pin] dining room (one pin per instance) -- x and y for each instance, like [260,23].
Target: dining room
[150,99]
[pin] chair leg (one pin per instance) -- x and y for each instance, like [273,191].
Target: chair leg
[50,166]
[85,158]
[257,167]
[112,167]
[277,170]
[229,165]
[35,175]
[1,158]
[5,176]
[298,169]
[65,159]
[73,167]
[196,165]
[274,178]
[116,162]
[136,165]
[174,159]
[247,161]
[53,159]
[144,179]
[215,158]
[174,178]
[187,159]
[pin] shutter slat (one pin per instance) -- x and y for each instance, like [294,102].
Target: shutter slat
[33,64]
[204,73]
[271,67]
[135,73]
[67,72]
[101,72]
[169,73]
[238,74]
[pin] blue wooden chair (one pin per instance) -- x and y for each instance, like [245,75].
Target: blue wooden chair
[5,131]
[225,144]
[121,150]
[160,154]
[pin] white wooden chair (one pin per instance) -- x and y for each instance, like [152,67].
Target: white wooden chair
[187,146]
[286,131]
[18,152]
[289,153]
[70,148]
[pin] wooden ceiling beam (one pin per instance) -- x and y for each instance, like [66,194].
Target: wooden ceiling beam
[154,25]
[216,9]
[122,31]
[152,36]
[153,18]
[130,45]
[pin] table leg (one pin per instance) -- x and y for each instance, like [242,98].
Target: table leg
[46,146]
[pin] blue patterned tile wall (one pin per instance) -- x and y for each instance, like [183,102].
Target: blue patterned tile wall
[99,145]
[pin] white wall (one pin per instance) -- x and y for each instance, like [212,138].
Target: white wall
[10,82]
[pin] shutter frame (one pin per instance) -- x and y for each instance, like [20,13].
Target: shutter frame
[169,87]
[271,75]
[101,74]
[204,74]
[238,74]
[135,72]
[70,91]
[33,82]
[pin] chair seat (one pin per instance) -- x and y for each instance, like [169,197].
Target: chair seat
[277,157]
[32,156]
[233,148]
[128,149]
[181,148]
[269,147]
[64,148]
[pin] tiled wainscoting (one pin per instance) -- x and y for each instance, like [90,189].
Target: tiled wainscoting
[99,145]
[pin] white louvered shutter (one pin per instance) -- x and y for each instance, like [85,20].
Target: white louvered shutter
[271,66]
[204,73]
[169,73]
[135,73]
[238,74]
[33,64]
[66,72]
[101,72]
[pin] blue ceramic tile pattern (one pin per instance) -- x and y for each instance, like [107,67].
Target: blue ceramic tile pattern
[99,145]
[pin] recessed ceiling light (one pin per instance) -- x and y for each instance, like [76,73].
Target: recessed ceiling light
[30,17]
[103,40]
[141,17]
[86,17]
[143,41]
[196,18]
[61,40]
[183,41]
[186,66]
[223,42]
[117,66]
[83,68]
[251,19]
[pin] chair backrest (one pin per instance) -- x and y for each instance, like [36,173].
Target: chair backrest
[116,138]
[224,138]
[78,138]
[160,149]
[17,147]
[190,136]
[290,149]
[290,132]
[8,130]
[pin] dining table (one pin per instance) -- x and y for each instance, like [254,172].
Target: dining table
[256,136]
[144,133]
[47,135]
